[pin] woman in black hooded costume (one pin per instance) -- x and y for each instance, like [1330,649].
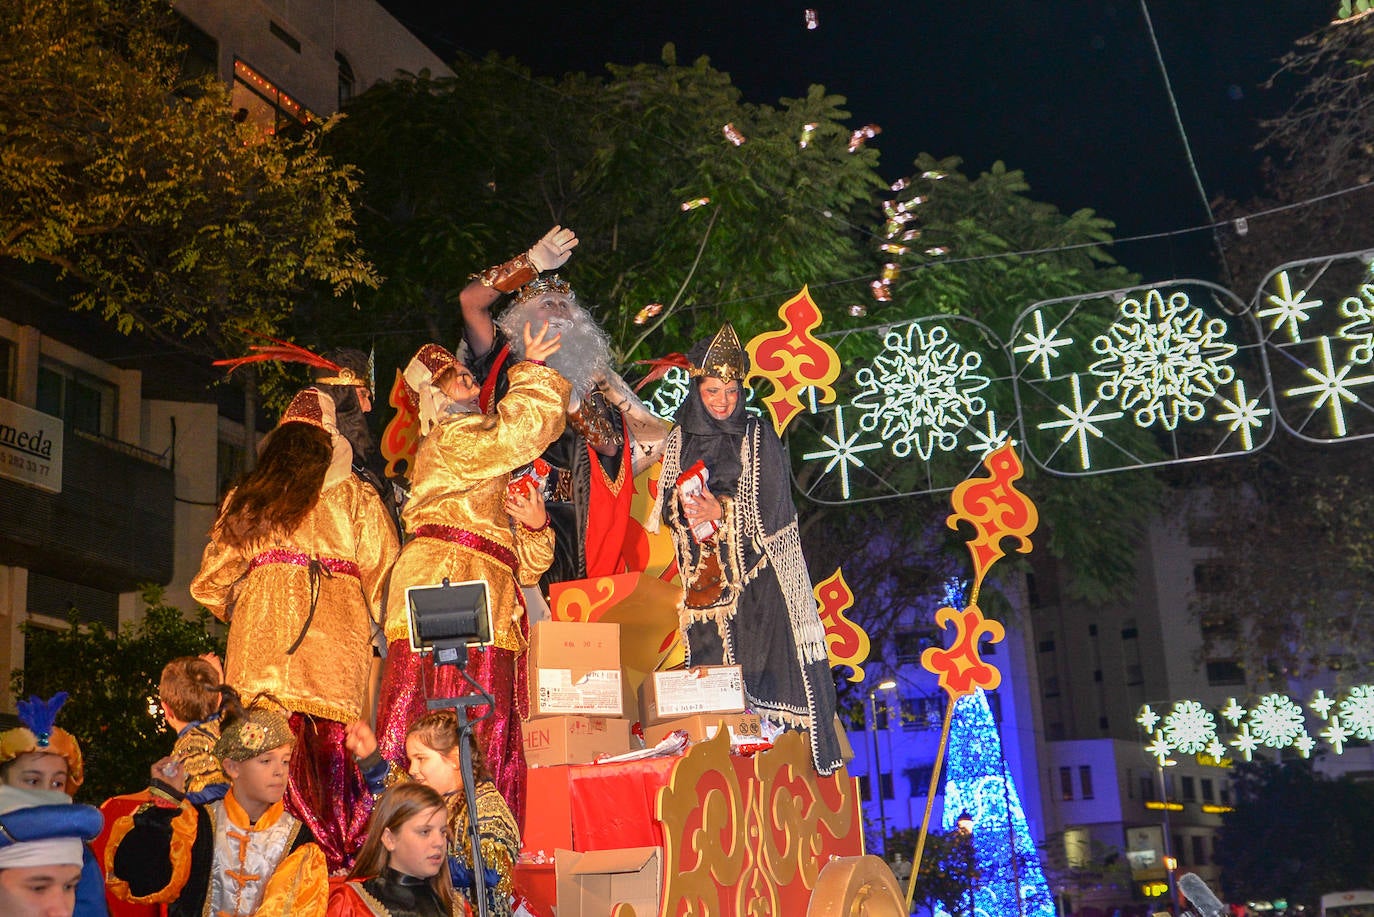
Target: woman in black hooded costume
[747,598]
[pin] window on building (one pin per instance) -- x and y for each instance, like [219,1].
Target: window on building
[201,57]
[1103,723]
[885,785]
[228,465]
[1033,591]
[1085,780]
[865,791]
[1135,674]
[918,778]
[1051,685]
[262,103]
[1148,790]
[1092,630]
[1066,783]
[6,368]
[1214,576]
[1199,850]
[1055,732]
[1225,672]
[1176,842]
[83,401]
[1188,788]
[1225,794]
[348,83]
[1208,790]
[880,718]
[1047,644]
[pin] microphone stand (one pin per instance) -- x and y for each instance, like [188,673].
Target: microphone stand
[455,653]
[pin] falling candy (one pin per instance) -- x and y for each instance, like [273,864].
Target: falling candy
[880,291]
[695,203]
[937,250]
[808,129]
[892,249]
[865,133]
[858,310]
[899,184]
[732,134]
[933,175]
[648,312]
[890,272]
[811,21]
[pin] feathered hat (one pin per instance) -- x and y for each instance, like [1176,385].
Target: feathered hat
[343,369]
[40,735]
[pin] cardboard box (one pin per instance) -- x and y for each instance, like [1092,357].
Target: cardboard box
[590,884]
[685,692]
[704,726]
[553,740]
[574,668]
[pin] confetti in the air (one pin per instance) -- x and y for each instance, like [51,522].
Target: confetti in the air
[863,135]
[695,203]
[648,312]
[899,184]
[808,129]
[811,21]
[890,272]
[858,310]
[732,134]
[880,291]
[893,249]
[937,250]
[933,175]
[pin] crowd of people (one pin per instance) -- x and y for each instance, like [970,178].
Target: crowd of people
[309,775]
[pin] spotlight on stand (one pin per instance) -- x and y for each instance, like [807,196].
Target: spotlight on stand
[449,618]
[446,620]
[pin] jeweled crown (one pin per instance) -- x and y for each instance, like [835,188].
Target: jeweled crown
[541,285]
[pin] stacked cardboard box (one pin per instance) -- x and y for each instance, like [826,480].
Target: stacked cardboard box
[577,703]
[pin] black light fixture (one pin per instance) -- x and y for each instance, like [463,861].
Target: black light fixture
[448,618]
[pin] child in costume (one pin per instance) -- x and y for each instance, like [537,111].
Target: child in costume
[432,748]
[402,868]
[42,851]
[40,755]
[194,698]
[235,857]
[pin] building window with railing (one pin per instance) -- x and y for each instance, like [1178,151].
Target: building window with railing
[1085,781]
[82,400]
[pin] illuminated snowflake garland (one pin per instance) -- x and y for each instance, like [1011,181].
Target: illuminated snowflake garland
[1357,711]
[1360,330]
[1274,721]
[1163,359]
[1190,727]
[921,391]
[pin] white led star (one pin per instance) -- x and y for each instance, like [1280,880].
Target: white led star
[1245,743]
[1304,744]
[1217,751]
[1357,711]
[1288,309]
[1360,330]
[1159,748]
[1190,727]
[1080,422]
[1233,711]
[1321,704]
[1336,735]
[986,443]
[844,451]
[1244,415]
[1147,718]
[1042,345]
[1332,387]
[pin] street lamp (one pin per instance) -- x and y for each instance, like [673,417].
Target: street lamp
[964,822]
[875,781]
[1169,861]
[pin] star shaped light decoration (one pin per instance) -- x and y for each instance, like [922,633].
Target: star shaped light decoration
[1147,718]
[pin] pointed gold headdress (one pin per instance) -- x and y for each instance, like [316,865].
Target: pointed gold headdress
[724,358]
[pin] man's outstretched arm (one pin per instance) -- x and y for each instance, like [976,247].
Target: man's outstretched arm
[549,253]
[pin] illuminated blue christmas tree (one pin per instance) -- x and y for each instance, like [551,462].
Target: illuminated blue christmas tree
[1006,878]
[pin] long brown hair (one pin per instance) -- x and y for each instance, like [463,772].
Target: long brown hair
[285,486]
[394,808]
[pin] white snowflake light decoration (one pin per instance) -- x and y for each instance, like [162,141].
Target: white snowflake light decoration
[1147,718]
[1359,331]
[1276,721]
[1041,345]
[1162,359]
[1244,415]
[1080,422]
[669,393]
[1190,727]
[1331,386]
[844,450]
[1336,735]
[1357,711]
[921,391]
[1321,704]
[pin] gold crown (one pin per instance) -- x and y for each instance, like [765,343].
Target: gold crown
[541,285]
[725,358]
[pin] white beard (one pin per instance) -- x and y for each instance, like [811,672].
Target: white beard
[585,354]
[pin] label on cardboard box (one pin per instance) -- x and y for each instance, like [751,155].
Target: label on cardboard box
[704,726]
[558,740]
[595,693]
[684,692]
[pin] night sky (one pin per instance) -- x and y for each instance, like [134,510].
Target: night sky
[1068,92]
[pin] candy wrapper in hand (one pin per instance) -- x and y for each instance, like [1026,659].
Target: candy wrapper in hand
[692,483]
[529,480]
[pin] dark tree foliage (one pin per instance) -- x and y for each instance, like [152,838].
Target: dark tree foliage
[1294,834]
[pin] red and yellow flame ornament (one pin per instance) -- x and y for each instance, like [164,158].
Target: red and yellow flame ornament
[846,642]
[997,511]
[794,359]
